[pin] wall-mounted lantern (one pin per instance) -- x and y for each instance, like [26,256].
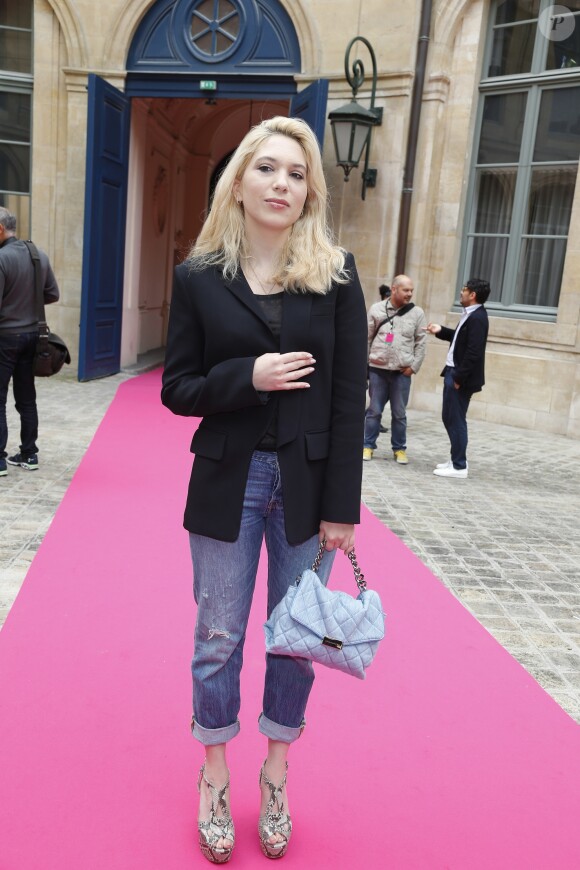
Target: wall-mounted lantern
[352,124]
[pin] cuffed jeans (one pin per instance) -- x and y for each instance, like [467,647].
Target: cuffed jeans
[454,416]
[387,386]
[17,362]
[224,580]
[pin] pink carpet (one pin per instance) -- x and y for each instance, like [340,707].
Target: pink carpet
[448,756]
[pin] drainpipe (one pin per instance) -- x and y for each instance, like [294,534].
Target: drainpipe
[416,100]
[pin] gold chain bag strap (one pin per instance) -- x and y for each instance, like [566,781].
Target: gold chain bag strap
[327,626]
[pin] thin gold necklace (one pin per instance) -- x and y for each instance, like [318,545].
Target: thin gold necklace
[264,291]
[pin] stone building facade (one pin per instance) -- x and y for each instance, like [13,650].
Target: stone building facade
[495,192]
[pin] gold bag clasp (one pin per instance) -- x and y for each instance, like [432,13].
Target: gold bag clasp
[330,641]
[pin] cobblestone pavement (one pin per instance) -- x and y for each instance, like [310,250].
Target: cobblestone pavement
[506,541]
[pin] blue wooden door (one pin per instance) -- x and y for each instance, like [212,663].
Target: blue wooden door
[104,230]
[310,105]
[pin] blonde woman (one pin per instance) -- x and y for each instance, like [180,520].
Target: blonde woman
[267,343]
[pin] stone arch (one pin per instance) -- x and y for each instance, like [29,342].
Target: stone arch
[74,35]
[448,19]
[123,31]
[128,20]
[308,40]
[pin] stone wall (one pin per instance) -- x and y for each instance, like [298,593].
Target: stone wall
[533,369]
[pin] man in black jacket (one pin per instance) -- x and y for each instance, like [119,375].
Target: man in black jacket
[463,372]
[18,338]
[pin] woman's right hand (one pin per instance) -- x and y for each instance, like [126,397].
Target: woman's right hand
[282,371]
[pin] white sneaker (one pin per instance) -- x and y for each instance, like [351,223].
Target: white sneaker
[449,464]
[451,472]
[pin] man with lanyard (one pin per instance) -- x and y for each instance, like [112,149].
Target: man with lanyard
[464,371]
[397,343]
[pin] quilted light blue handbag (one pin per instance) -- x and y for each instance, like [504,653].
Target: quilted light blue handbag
[326,626]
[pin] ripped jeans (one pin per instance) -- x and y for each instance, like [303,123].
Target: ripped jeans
[224,580]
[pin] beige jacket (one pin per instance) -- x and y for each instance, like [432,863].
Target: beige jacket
[409,341]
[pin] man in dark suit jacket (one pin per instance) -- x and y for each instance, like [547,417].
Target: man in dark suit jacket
[463,372]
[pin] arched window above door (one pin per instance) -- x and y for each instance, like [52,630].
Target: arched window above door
[215,37]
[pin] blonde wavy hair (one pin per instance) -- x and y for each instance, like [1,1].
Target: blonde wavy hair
[310,261]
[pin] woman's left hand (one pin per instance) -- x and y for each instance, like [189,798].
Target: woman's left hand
[339,536]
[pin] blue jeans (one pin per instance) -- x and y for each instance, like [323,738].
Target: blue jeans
[17,363]
[454,416]
[224,578]
[393,387]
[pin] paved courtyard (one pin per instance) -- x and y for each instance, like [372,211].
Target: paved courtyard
[506,541]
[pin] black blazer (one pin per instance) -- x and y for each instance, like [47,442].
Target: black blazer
[216,331]
[469,350]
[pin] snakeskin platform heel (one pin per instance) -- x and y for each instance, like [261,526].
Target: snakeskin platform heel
[215,829]
[275,820]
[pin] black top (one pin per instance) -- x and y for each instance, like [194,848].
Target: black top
[272,309]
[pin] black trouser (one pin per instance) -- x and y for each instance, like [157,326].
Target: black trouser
[454,416]
[17,362]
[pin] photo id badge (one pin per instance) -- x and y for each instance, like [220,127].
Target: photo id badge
[389,337]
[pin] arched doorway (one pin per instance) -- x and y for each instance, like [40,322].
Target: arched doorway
[200,73]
